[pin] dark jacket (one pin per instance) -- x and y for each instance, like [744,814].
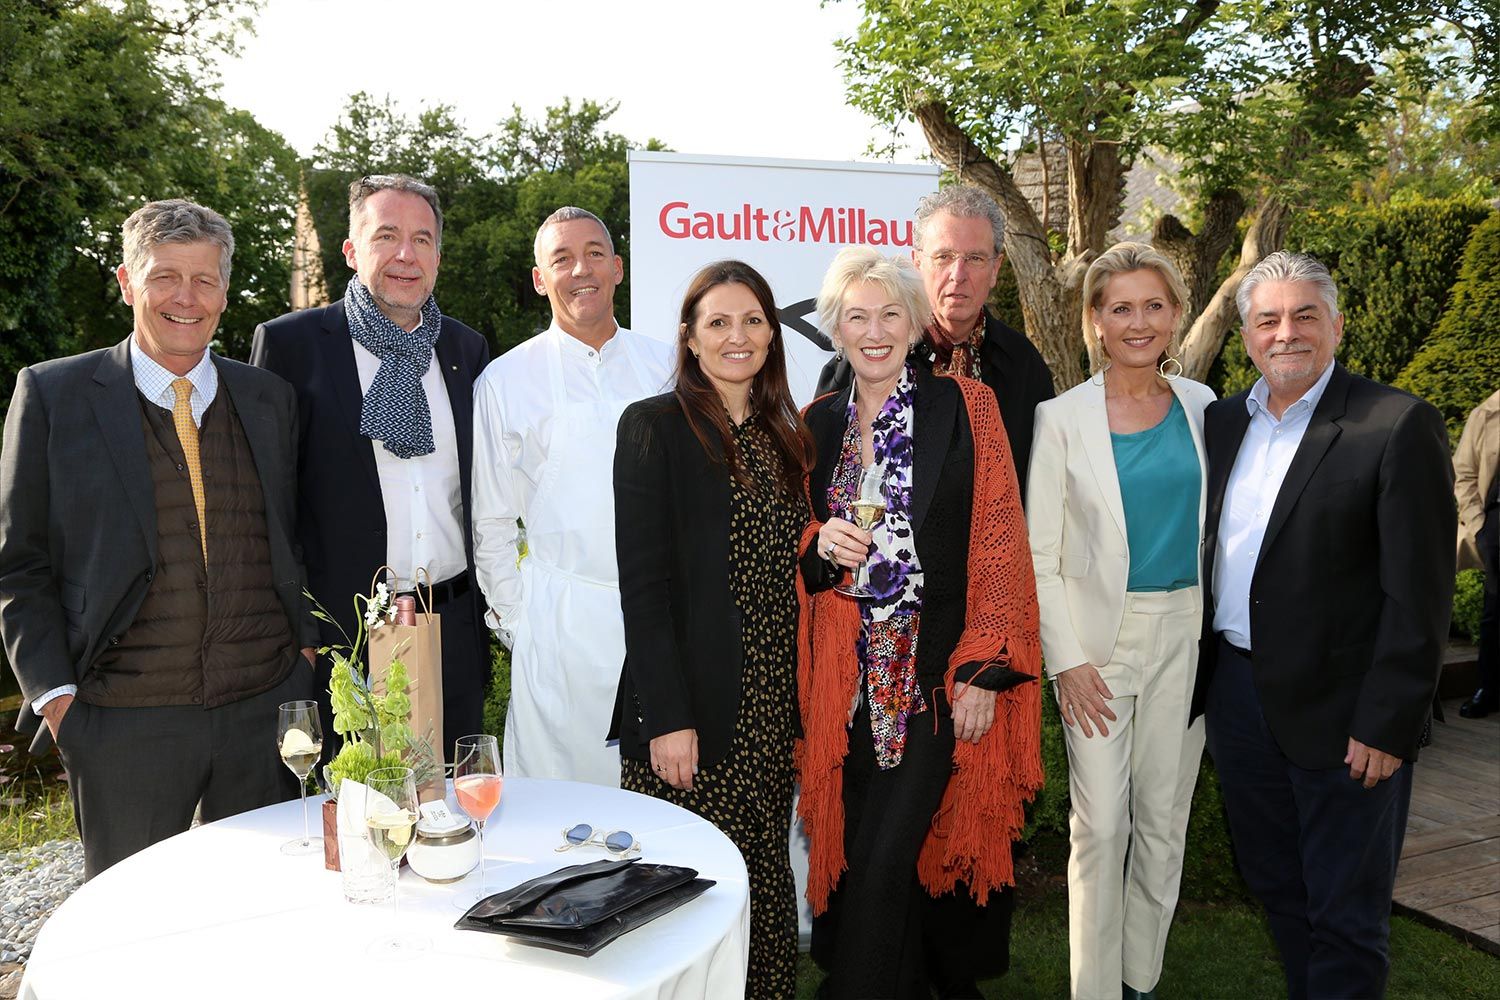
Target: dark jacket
[683,658]
[1010,365]
[341,514]
[1353,586]
[78,533]
[941,509]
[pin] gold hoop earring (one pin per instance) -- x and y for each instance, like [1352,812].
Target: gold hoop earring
[1161,369]
[1098,377]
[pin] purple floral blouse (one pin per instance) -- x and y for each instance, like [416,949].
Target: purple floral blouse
[887,646]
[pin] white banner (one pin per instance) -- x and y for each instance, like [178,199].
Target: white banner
[785,218]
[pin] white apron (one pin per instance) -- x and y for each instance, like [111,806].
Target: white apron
[569,642]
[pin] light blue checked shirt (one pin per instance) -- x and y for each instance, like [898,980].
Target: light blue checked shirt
[155,382]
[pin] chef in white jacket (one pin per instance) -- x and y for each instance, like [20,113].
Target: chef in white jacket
[545,414]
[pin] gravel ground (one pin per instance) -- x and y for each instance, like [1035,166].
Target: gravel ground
[33,882]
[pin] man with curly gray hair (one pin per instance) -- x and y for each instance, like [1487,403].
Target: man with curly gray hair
[151,590]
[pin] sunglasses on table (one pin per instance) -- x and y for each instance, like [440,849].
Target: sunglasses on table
[616,842]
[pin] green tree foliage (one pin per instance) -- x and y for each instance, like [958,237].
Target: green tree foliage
[496,189]
[1459,365]
[103,108]
[1262,102]
[1433,136]
[1394,265]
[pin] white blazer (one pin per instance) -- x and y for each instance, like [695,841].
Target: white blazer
[1076,521]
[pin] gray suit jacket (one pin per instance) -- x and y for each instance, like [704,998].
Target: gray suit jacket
[78,511]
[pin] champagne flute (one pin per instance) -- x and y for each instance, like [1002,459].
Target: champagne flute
[391,823]
[868,508]
[299,737]
[476,784]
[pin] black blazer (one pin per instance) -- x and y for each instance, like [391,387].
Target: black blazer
[941,508]
[1353,587]
[341,516]
[1011,366]
[78,511]
[683,659]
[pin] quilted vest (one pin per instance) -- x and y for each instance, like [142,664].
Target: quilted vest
[204,635]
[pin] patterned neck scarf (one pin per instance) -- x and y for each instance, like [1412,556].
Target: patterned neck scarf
[395,409]
[887,647]
[949,358]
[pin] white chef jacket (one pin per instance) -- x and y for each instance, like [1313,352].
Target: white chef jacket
[545,414]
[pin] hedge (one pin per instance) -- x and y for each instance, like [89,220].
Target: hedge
[1459,365]
[1395,266]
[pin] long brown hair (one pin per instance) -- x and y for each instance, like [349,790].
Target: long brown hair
[769,396]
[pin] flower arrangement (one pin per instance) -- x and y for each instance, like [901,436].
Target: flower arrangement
[374,727]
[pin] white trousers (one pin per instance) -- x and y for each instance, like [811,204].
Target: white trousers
[1131,792]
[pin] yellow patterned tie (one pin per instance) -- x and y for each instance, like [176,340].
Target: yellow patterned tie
[187,436]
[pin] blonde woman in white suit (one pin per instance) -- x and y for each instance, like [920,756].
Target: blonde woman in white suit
[1115,510]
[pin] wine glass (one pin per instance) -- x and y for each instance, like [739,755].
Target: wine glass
[391,823]
[476,784]
[868,508]
[299,737]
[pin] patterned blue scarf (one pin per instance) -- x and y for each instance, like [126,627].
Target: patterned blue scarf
[395,409]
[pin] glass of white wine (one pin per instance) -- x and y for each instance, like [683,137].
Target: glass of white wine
[299,738]
[868,508]
[391,823]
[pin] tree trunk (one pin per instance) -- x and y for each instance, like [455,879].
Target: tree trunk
[1221,315]
[1048,291]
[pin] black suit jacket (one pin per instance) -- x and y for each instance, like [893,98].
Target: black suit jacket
[1010,365]
[78,529]
[683,658]
[341,516]
[941,509]
[1352,590]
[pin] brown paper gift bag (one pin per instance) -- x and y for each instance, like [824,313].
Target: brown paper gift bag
[420,647]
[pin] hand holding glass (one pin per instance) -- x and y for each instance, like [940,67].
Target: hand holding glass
[868,508]
[476,785]
[299,737]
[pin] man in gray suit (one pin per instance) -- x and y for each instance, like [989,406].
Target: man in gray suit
[150,592]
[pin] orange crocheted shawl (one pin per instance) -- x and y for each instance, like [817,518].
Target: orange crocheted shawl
[983,807]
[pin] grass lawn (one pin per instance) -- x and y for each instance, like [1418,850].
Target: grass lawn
[1223,951]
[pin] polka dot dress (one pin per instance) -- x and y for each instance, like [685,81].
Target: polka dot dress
[748,794]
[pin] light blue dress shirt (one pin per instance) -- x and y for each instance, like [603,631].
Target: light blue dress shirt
[1259,470]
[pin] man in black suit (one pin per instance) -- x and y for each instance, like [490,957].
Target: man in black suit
[1329,549]
[960,236]
[385,388]
[959,249]
[150,585]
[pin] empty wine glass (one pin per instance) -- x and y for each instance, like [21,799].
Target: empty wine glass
[391,823]
[868,508]
[299,737]
[476,784]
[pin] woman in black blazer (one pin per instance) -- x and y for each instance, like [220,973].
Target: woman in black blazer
[709,510]
[922,737]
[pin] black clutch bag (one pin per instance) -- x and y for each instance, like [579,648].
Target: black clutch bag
[582,908]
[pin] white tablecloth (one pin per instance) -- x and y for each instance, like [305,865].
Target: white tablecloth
[219,912]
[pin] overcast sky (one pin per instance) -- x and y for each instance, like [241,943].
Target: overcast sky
[758,79]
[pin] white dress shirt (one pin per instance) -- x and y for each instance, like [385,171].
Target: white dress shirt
[155,383]
[514,420]
[1259,469]
[422,495]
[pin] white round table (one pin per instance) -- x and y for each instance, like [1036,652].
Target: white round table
[220,912]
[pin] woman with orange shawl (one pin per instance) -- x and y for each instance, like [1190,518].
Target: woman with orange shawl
[922,732]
